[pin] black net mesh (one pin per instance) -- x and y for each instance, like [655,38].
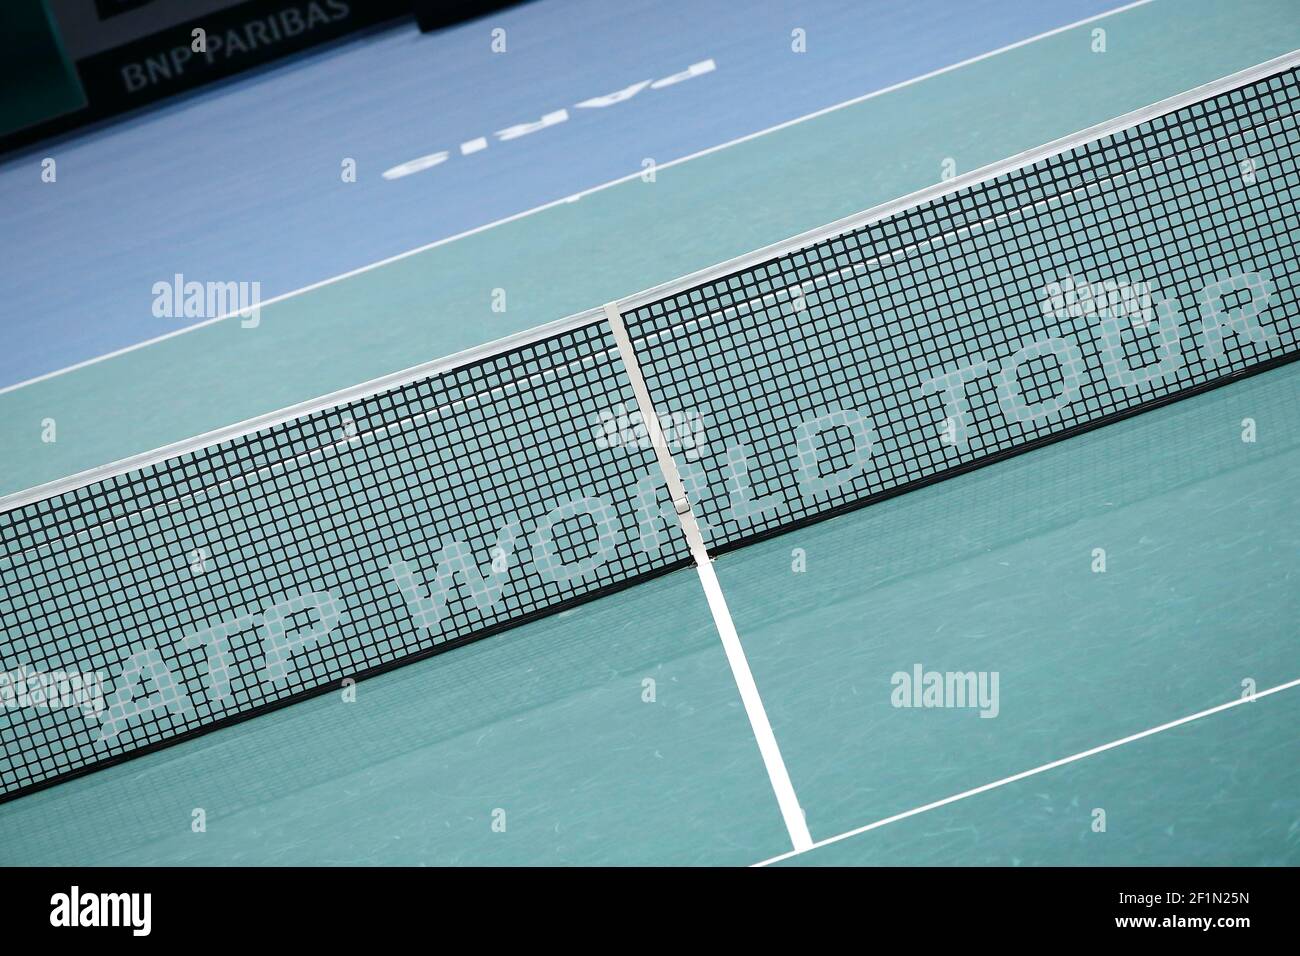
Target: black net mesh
[247,574]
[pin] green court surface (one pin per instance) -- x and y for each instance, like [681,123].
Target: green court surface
[546,723]
[1238,809]
[993,572]
[613,733]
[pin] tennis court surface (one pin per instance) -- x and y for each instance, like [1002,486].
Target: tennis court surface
[958,531]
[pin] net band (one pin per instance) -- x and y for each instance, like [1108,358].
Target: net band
[152,600]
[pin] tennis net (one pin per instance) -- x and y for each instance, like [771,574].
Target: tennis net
[1123,268]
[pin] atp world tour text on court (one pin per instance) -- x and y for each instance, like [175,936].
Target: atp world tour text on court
[455,568]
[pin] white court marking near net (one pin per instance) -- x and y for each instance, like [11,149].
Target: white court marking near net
[1024,774]
[768,748]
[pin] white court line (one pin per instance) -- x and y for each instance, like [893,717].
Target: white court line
[777,774]
[1036,770]
[284,296]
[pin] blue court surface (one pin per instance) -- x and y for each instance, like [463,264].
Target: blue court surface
[1125,600]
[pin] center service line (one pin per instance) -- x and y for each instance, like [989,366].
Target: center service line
[767,746]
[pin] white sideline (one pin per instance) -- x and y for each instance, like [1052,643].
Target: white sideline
[1029,773]
[572,198]
[786,798]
